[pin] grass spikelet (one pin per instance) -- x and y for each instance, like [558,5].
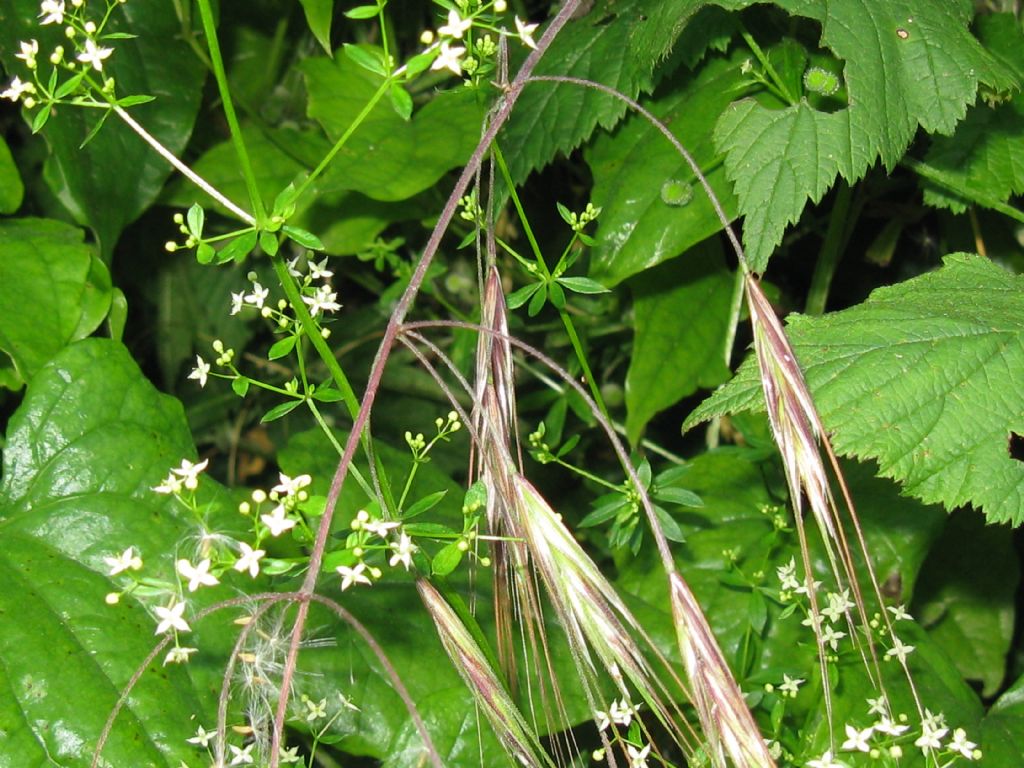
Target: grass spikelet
[490,694]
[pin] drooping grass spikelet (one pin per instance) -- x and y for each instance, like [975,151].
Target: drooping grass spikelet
[493,699]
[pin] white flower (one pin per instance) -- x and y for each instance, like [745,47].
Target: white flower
[200,371]
[350,576]
[28,54]
[127,559]
[787,575]
[241,755]
[291,486]
[320,271]
[189,472]
[179,655]
[290,755]
[448,58]
[52,12]
[825,761]
[380,527]
[790,685]
[250,559]
[525,32]
[831,637]
[202,737]
[878,706]
[857,740]
[258,296]
[899,613]
[930,738]
[455,26]
[960,744]
[888,727]
[94,55]
[899,650]
[317,709]
[170,618]
[403,552]
[16,89]
[198,575]
[621,712]
[277,522]
[603,721]
[171,484]
[838,605]
[237,299]
[637,757]
[324,300]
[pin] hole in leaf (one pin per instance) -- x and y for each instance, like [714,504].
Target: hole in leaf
[1015,446]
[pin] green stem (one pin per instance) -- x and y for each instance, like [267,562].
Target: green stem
[593,478]
[210,30]
[783,91]
[360,478]
[408,484]
[500,158]
[574,339]
[831,250]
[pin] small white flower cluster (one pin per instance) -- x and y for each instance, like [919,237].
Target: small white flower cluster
[83,35]
[242,755]
[287,496]
[361,543]
[461,20]
[885,737]
[319,298]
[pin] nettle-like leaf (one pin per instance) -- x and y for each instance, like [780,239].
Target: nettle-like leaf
[550,118]
[923,377]
[653,206]
[116,176]
[907,63]
[90,438]
[53,287]
[983,162]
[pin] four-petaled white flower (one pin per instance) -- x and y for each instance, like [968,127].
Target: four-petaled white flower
[878,706]
[28,54]
[290,486]
[17,88]
[258,296]
[52,12]
[202,737]
[277,521]
[170,618]
[354,575]
[638,757]
[622,712]
[200,371]
[320,271]
[317,709]
[189,472]
[857,741]
[825,761]
[603,720]
[404,550]
[831,637]
[237,299]
[888,727]
[960,744]
[250,559]
[241,755]
[290,755]
[124,561]
[179,655]
[171,484]
[448,58]
[525,32]
[380,527]
[198,575]
[930,738]
[455,26]
[324,300]
[790,685]
[899,650]
[899,613]
[94,55]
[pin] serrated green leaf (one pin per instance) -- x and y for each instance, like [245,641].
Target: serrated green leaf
[53,288]
[908,63]
[966,597]
[984,160]
[681,312]
[388,158]
[654,207]
[921,377]
[118,175]
[90,438]
[11,189]
[319,14]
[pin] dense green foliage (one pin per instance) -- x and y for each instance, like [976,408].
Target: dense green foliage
[870,154]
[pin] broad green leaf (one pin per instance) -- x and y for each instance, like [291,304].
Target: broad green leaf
[319,14]
[1003,727]
[553,118]
[907,63]
[11,189]
[117,176]
[984,160]
[53,288]
[90,438]
[653,206]
[680,315]
[967,595]
[388,158]
[922,377]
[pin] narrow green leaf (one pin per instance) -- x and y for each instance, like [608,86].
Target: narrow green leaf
[328,395]
[69,86]
[446,560]
[240,386]
[425,504]
[363,12]
[540,297]
[131,101]
[319,15]
[401,101]
[604,513]
[669,526]
[368,60]
[522,295]
[195,218]
[278,411]
[40,117]
[238,249]
[268,242]
[303,238]
[281,348]
[679,496]
[11,189]
[556,294]
[581,285]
